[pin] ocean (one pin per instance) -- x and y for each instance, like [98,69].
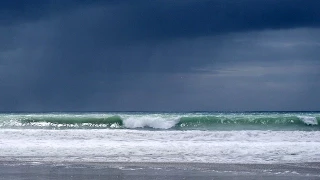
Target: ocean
[193,137]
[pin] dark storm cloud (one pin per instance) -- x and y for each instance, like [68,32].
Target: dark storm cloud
[202,18]
[165,19]
[111,29]
[154,55]
[21,11]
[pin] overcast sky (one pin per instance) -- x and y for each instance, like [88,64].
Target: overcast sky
[159,55]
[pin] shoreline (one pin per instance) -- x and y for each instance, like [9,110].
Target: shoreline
[154,170]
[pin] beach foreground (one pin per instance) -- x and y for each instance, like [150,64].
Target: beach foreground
[140,145]
[16,170]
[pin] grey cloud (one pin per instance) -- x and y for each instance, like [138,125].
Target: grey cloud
[163,56]
[149,20]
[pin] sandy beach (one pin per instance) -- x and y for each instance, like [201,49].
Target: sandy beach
[16,170]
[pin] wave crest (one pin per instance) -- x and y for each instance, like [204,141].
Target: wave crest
[150,121]
[163,121]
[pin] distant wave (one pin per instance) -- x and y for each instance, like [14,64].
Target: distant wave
[188,121]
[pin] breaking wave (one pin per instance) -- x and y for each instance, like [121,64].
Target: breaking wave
[175,121]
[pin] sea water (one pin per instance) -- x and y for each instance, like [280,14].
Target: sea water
[206,137]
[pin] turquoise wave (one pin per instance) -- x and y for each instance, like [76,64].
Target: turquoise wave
[174,121]
[249,123]
[74,120]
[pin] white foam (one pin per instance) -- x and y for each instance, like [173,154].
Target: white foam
[160,146]
[309,120]
[154,121]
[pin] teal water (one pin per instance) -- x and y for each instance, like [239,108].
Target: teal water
[206,137]
[211,121]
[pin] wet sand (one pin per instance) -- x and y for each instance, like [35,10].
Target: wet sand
[17,170]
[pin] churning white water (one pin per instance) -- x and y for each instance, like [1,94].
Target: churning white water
[159,146]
